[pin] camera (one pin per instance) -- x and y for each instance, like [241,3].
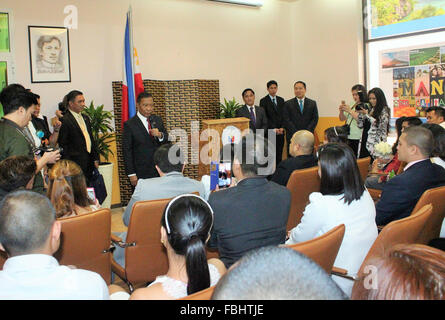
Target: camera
[41,150]
[362,106]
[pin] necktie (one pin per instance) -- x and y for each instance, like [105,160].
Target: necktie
[86,135]
[301,105]
[149,127]
[274,101]
[252,116]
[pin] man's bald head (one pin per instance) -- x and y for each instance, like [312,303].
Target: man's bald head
[302,143]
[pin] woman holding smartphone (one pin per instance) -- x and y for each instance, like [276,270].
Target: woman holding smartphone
[68,190]
[355,133]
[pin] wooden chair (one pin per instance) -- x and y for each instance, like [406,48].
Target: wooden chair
[375,194]
[324,249]
[436,197]
[85,242]
[205,294]
[145,256]
[301,184]
[405,230]
[363,166]
[3,257]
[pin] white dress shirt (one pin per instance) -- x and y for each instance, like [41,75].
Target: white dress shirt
[32,129]
[324,213]
[40,277]
[249,108]
[81,122]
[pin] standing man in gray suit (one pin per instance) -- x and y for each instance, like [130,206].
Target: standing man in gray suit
[257,115]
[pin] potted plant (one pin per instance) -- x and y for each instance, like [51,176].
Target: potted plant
[228,108]
[103,135]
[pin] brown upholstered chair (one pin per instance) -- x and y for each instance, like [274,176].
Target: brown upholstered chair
[205,294]
[3,257]
[436,197]
[363,166]
[85,242]
[324,249]
[145,256]
[375,194]
[301,184]
[406,230]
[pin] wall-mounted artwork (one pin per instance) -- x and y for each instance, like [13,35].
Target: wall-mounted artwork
[49,54]
[4,32]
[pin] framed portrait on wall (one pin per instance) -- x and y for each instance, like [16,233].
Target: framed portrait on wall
[49,54]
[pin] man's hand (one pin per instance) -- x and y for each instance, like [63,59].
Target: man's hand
[51,157]
[156,133]
[134,180]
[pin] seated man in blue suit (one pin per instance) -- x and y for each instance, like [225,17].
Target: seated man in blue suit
[253,213]
[401,193]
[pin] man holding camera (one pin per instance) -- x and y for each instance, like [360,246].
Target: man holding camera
[15,139]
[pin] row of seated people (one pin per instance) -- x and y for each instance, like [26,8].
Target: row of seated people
[263,221]
[265,273]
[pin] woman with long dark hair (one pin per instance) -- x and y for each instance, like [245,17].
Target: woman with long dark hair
[342,199]
[185,229]
[375,123]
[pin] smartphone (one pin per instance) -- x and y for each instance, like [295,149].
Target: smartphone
[224,174]
[91,194]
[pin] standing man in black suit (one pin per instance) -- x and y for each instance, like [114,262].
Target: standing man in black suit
[76,137]
[273,105]
[143,134]
[299,113]
[256,114]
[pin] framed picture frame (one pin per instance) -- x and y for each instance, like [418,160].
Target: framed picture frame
[49,54]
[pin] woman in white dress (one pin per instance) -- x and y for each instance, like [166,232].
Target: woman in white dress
[342,199]
[185,229]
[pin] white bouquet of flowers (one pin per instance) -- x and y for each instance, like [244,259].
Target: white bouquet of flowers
[383,152]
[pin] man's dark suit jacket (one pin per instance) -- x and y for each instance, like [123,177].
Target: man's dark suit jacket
[250,215]
[260,117]
[42,124]
[294,121]
[401,193]
[139,147]
[274,113]
[286,167]
[72,140]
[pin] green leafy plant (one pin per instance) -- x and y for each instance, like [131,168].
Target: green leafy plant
[228,108]
[103,133]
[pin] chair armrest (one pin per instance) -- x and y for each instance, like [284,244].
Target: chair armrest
[375,194]
[342,273]
[119,242]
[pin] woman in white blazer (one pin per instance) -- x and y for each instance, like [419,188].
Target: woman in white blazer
[342,199]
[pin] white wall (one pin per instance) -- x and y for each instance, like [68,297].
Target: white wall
[197,39]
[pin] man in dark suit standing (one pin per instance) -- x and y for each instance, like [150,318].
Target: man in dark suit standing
[299,113]
[143,134]
[273,106]
[76,137]
[401,193]
[245,218]
[256,114]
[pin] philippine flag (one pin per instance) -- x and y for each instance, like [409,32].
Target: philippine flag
[132,85]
